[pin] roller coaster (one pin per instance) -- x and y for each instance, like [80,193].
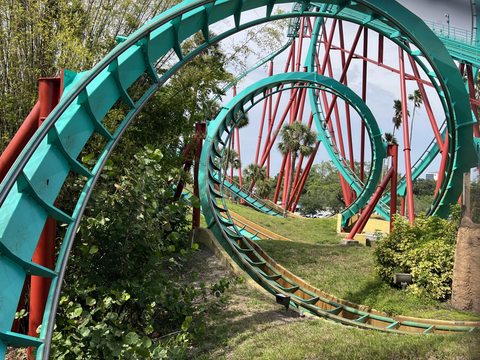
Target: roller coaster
[438,59]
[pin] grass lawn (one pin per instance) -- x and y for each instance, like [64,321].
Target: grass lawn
[346,272]
[252,326]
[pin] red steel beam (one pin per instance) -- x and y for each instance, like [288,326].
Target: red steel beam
[345,68]
[19,141]
[49,93]
[270,127]
[304,176]
[380,49]
[426,104]
[443,163]
[471,90]
[266,101]
[272,141]
[370,207]
[406,141]
[201,130]
[279,182]
[392,151]
[396,71]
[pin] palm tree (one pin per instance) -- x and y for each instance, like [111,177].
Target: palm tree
[416,97]
[254,173]
[390,139]
[211,109]
[297,138]
[244,121]
[397,118]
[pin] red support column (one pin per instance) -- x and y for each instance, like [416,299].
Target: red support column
[364,98]
[328,46]
[279,182]
[360,224]
[443,163]
[345,68]
[406,141]
[471,90]
[380,48]
[286,183]
[266,101]
[270,128]
[19,141]
[426,104]
[201,130]
[393,152]
[49,93]
[269,146]
[299,187]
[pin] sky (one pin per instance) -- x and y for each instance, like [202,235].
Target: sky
[383,86]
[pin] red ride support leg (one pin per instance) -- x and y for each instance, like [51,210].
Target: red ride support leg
[393,152]
[406,141]
[201,130]
[48,97]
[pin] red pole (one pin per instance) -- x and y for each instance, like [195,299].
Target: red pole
[270,128]
[239,158]
[393,152]
[272,141]
[443,163]
[19,141]
[49,93]
[406,141]
[267,100]
[364,98]
[279,182]
[426,104]
[328,46]
[380,48]
[300,161]
[201,130]
[304,176]
[270,123]
[286,183]
[471,89]
[345,68]
[370,207]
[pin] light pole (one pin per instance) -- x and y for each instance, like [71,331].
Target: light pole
[448,23]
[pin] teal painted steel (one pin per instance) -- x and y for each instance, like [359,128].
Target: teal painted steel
[28,191]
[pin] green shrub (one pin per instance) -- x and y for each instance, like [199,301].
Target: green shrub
[426,250]
[125,296]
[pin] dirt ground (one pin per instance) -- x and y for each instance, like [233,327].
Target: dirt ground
[466,271]
[16,354]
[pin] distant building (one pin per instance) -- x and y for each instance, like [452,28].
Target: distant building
[431,176]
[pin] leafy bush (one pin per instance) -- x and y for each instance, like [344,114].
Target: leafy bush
[124,290]
[426,250]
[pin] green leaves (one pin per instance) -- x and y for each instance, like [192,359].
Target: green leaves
[426,250]
[186,323]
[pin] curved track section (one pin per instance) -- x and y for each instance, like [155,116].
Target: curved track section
[28,192]
[249,256]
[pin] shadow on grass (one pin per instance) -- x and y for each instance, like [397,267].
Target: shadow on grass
[231,327]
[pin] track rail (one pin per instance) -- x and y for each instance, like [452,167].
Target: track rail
[28,192]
